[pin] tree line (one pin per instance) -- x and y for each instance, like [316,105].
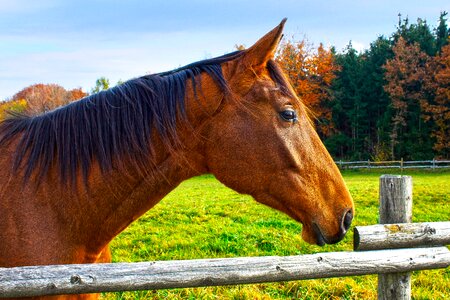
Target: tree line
[389,101]
[40,98]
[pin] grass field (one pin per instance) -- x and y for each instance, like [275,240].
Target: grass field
[204,219]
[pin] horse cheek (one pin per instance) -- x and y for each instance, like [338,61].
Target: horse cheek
[228,155]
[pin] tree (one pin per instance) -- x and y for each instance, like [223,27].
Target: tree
[41,98]
[437,108]
[76,94]
[405,74]
[348,107]
[310,73]
[419,33]
[442,32]
[101,84]
[376,99]
[15,106]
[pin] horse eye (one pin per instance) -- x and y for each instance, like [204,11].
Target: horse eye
[289,115]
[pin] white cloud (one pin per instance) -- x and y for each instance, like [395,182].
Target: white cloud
[360,47]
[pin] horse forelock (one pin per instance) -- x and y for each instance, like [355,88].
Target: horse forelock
[276,74]
[113,127]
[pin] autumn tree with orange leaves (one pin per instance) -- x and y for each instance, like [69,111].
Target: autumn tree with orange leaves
[310,73]
[406,75]
[41,98]
[437,108]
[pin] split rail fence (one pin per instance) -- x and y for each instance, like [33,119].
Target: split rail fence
[394,164]
[390,250]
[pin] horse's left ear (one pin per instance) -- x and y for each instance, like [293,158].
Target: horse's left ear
[264,49]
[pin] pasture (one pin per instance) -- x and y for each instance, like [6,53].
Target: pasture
[204,219]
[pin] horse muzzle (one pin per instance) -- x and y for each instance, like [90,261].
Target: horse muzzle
[345,223]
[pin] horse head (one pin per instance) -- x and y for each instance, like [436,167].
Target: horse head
[261,142]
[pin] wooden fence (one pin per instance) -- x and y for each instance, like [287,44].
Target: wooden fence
[394,164]
[393,265]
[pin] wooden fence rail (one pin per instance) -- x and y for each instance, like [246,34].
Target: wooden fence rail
[394,164]
[392,265]
[403,235]
[73,279]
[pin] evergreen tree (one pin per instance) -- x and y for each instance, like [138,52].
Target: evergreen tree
[419,33]
[378,101]
[349,111]
[442,32]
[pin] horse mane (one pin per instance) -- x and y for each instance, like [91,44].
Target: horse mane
[113,127]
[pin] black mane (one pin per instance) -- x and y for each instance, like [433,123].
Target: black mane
[109,126]
[113,127]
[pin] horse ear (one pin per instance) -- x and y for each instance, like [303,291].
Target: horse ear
[264,49]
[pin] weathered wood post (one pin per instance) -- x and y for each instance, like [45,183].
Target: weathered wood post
[395,207]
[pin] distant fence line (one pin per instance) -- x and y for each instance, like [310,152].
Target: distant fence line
[391,164]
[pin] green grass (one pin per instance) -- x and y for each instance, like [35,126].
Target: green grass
[204,219]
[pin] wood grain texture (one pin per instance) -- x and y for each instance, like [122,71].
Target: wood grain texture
[395,199]
[402,235]
[73,279]
[395,207]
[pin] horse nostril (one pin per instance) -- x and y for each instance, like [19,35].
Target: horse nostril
[347,220]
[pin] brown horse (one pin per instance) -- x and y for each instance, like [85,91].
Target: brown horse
[73,178]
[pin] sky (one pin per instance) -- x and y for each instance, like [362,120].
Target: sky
[73,43]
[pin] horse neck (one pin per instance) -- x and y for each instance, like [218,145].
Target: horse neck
[121,199]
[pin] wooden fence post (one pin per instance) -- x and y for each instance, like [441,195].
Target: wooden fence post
[395,207]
